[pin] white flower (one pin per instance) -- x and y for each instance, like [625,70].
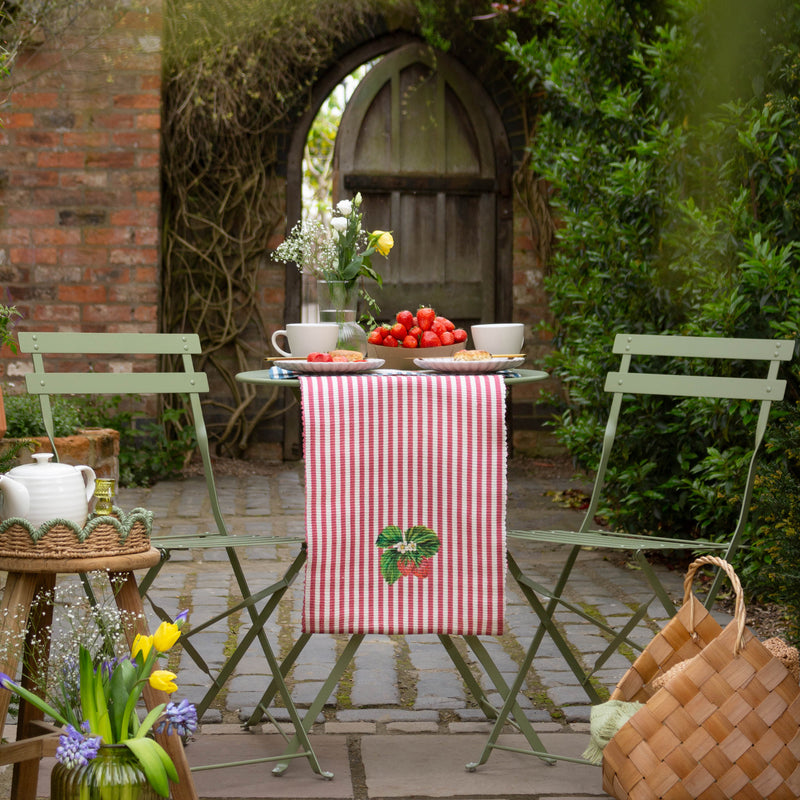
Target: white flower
[339,224]
[344,207]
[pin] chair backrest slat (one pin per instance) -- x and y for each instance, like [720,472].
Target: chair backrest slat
[695,386]
[106,343]
[115,382]
[704,347]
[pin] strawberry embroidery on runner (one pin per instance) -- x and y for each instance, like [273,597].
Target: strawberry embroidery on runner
[406,552]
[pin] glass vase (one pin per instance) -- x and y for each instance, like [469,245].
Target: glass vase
[338,303]
[114,774]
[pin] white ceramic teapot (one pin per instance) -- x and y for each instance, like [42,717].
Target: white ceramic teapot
[47,490]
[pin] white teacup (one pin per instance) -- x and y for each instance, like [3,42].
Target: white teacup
[503,338]
[307,337]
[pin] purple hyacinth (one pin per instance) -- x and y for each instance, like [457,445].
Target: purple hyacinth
[180,717]
[76,750]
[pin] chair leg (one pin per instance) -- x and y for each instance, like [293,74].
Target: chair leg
[319,701]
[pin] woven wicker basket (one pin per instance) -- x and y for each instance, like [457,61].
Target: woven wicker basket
[121,534]
[727,727]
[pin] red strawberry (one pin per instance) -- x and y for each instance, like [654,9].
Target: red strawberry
[430,339]
[409,341]
[319,357]
[406,567]
[447,338]
[415,331]
[424,569]
[375,337]
[405,318]
[448,326]
[425,317]
[399,331]
[438,328]
[389,341]
[460,335]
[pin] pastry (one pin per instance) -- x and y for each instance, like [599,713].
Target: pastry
[472,355]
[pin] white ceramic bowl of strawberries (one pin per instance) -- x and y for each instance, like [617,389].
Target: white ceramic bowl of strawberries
[425,334]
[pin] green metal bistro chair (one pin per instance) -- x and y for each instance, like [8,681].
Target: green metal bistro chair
[184,380]
[628,381]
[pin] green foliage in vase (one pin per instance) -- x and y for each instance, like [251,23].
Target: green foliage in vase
[669,144]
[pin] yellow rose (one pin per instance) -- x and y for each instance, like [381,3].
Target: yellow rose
[384,242]
[165,636]
[141,644]
[164,680]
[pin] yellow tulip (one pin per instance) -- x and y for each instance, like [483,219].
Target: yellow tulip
[165,636]
[384,242]
[164,680]
[141,644]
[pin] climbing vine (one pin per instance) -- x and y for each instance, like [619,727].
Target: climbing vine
[237,75]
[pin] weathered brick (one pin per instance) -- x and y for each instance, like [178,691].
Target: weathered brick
[82,256]
[137,101]
[37,138]
[109,236]
[18,120]
[110,160]
[83,217]
[54,236]
[107,313]
[137,139]
[139,255]
[57,312]
[129,216]
[36,100]
[34,178]
[70,293]
[31,216]
[83,139]
[149,122]
[70,160]
[33,255]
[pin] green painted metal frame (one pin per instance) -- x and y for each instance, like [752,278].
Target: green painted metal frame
[185,381]
[620,383]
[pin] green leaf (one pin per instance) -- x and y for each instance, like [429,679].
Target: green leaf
[388,566]
[426,540]
[119,691]
[389,536]
[152,763]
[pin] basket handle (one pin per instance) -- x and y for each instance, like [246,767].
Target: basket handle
[739,613]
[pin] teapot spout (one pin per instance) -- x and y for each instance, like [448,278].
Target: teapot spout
[14,498]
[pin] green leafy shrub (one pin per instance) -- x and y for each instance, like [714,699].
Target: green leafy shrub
[669,144]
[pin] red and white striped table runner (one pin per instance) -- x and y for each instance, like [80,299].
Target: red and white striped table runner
[405,503]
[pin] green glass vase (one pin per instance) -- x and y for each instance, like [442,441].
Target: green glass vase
[338,303]
[114,774]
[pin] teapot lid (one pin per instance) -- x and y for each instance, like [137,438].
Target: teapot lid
[43,467]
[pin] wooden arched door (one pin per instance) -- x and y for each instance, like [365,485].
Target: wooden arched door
[423,144]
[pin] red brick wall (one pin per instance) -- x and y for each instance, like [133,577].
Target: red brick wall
[79,178]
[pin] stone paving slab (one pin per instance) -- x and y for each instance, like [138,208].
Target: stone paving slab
[402,703]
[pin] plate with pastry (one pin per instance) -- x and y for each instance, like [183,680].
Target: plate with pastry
[472,362]
[335,362]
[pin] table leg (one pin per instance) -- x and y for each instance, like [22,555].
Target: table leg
[129,600]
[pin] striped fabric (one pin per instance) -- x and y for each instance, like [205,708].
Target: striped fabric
[405,503]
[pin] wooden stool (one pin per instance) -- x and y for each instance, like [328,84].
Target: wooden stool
[26,578]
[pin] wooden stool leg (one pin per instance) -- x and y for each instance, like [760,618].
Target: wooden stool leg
[130,601]
[36,655]
[16,605]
